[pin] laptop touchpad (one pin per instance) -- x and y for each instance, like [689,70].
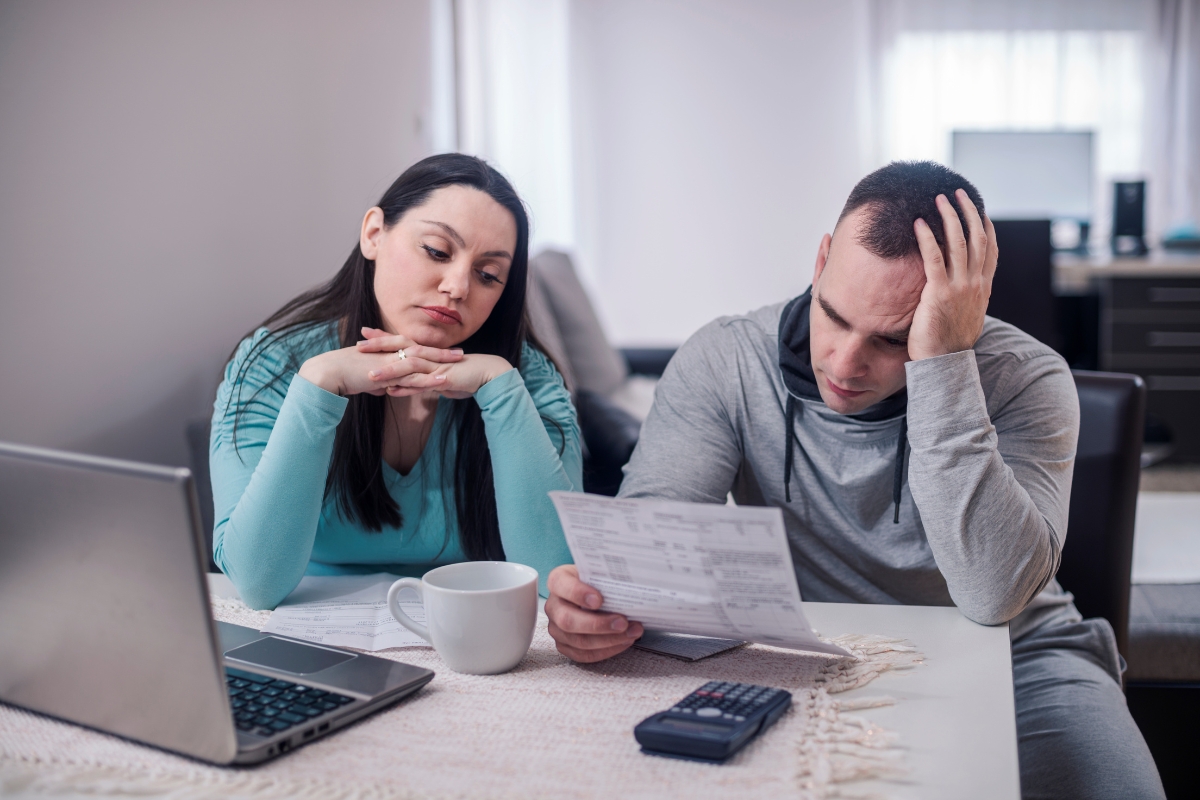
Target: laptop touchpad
[286,656]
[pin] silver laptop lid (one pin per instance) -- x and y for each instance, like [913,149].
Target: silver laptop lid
[104,613]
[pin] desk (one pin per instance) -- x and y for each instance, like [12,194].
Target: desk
[1075,273]
[1149,324]
[954,718]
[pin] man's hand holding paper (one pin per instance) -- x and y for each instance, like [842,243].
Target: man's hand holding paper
[682,567]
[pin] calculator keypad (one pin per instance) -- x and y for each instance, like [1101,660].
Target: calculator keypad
[731,702]
[741,711]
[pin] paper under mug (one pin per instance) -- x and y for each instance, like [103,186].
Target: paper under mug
[481,614]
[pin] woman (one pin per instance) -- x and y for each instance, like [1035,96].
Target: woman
[403,415]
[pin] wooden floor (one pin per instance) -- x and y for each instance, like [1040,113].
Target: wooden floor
[1171,478]
[1167,712]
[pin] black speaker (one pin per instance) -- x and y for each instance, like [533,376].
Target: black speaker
[1129,218]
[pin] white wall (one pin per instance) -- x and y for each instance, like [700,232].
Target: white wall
[715,143]
[170,173]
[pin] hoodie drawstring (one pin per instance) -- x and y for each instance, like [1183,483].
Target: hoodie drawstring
[789,448]
[898,475]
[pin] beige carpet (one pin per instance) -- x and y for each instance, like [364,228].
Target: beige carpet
[549,728]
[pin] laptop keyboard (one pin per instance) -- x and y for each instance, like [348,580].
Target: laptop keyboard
[266,706]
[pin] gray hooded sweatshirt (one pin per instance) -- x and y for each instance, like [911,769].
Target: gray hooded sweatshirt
[984,495]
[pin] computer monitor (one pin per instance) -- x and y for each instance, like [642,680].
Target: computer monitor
[1026,174]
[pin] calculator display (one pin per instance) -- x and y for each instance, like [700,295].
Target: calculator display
[689,725]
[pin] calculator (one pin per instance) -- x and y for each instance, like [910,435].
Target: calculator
[713,722]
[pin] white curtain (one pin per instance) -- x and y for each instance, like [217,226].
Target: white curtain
[1127,70]
[1175,115]
[514,104]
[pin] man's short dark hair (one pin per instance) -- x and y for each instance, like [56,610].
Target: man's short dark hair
[896,195]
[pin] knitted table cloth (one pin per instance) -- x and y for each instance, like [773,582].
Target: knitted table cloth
[549,728]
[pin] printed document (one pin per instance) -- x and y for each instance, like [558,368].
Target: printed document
[697,568]
[347,611]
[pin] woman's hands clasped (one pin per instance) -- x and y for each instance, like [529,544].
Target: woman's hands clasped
[372,366]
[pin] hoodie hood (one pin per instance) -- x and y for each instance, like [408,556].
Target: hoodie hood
[795,367]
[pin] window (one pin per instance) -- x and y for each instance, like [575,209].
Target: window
[936,82]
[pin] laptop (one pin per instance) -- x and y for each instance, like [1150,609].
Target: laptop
[105,621]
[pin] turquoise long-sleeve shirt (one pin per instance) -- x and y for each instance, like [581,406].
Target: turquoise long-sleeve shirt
[273,523]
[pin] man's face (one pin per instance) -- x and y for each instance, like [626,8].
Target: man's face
[861,311]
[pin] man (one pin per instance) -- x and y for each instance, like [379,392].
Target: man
[921,454]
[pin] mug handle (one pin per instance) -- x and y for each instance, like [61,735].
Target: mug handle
[398,613]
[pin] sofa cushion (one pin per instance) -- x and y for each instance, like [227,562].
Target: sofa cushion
[1164,632]
[545,328]
[596,365]
[610,434]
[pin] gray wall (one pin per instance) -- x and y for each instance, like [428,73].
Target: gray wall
[170,173]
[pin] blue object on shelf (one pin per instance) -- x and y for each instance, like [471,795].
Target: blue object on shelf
[1185,236]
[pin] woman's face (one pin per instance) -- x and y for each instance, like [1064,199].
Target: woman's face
[441,268]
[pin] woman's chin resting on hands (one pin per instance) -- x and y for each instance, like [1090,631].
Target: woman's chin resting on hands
[402,415]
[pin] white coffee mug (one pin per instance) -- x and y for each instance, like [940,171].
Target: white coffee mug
[481,614]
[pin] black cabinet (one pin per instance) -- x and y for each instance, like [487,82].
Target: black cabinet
[1151,326]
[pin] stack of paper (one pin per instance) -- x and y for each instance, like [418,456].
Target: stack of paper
[346,611]
[709,570]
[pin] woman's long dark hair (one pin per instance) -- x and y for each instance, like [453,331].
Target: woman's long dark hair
[355,472]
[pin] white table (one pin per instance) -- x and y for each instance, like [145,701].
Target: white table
[954,715]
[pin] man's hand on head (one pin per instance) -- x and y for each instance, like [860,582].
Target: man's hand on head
[958,283]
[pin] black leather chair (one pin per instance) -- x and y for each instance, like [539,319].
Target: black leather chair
[610,433]
[648,360]
[1098,555]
